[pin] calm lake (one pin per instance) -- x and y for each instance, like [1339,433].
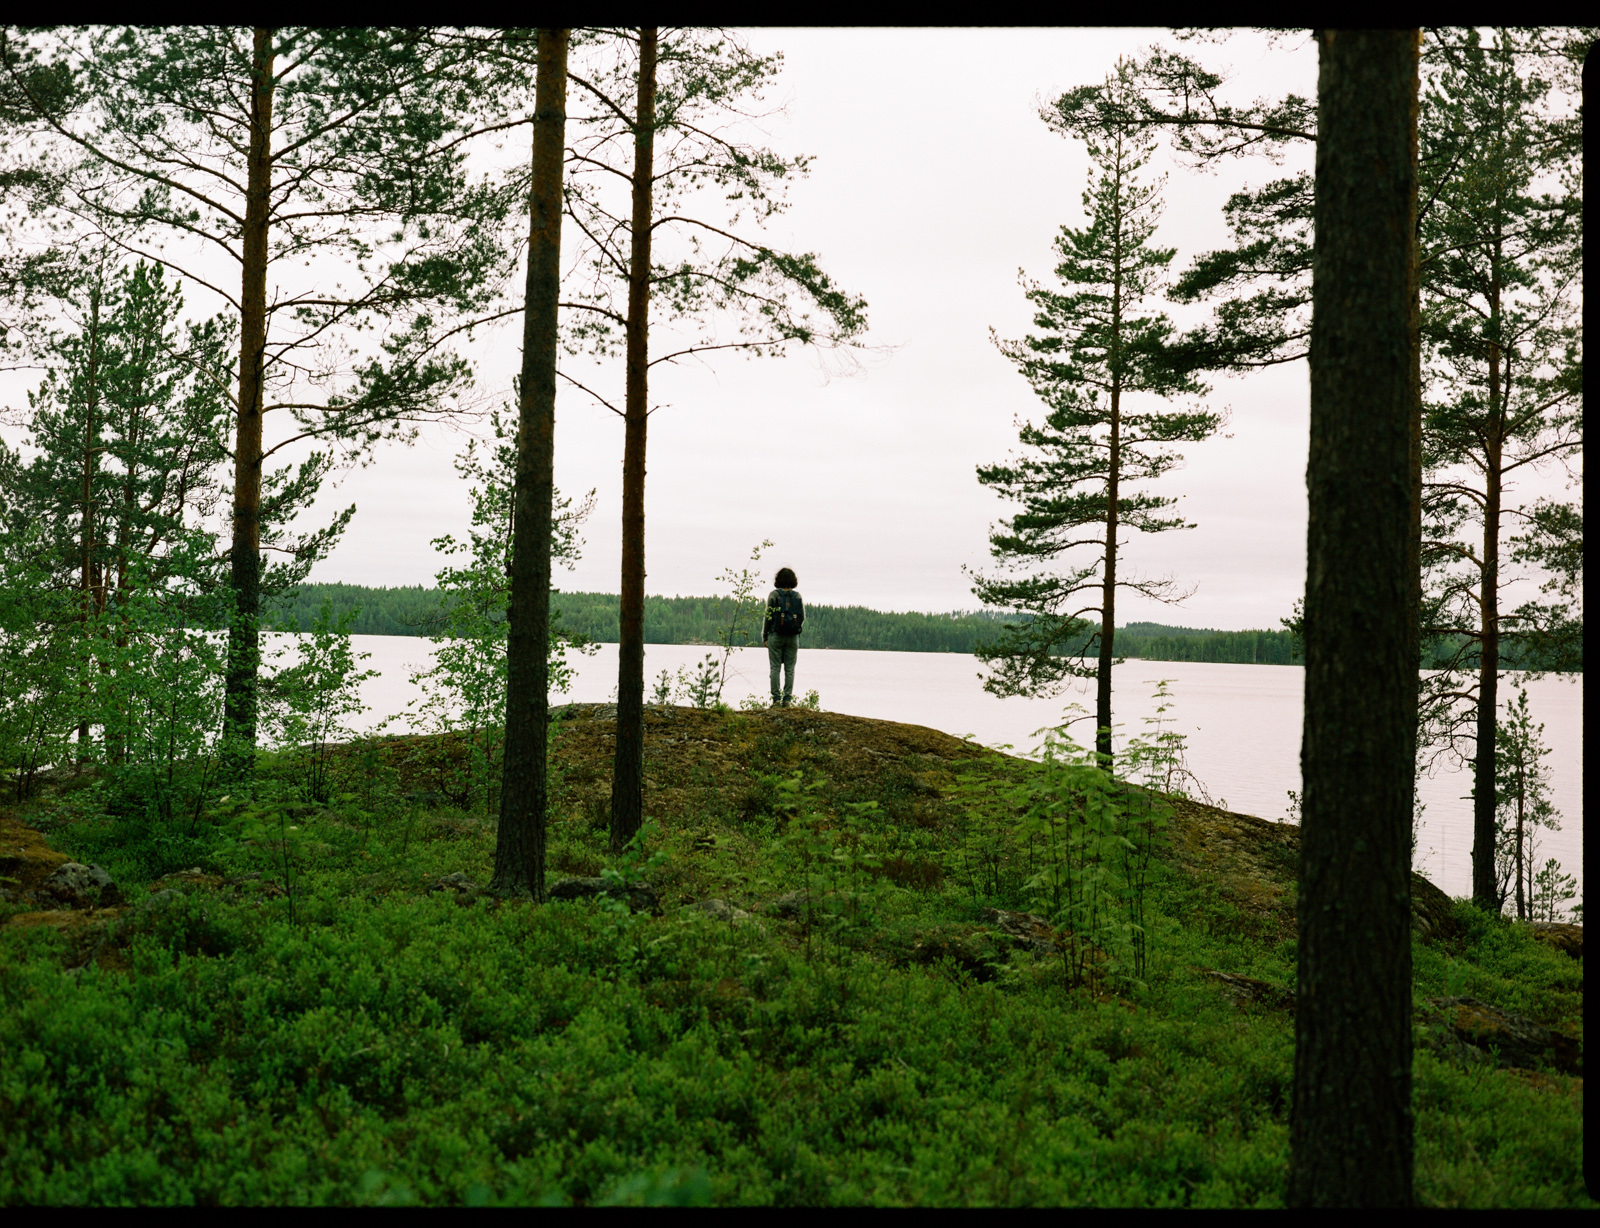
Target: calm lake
[1242,723]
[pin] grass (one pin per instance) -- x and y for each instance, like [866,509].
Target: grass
[333,1032]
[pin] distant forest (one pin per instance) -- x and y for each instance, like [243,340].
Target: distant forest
[414,610]
[700,620]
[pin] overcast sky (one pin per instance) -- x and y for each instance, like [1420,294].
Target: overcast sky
[934,182]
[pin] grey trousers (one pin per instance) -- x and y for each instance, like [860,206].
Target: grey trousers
[781,652]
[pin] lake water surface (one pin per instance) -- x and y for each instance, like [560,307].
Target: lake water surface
[1242,723]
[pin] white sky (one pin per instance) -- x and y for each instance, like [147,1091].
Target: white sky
[934,181]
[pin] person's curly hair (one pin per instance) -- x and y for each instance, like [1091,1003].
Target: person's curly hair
[785,579]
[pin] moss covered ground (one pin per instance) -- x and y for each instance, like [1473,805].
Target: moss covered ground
[288,1007]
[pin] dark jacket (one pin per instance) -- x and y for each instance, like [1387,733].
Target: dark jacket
[773,598]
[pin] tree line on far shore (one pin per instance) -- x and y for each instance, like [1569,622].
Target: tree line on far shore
[700,620]
[414,610]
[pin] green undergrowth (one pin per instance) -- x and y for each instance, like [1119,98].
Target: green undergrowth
[332,1032]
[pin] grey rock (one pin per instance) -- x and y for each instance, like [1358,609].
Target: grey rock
[592,712]
[1561,935]
[1471,1030]
[76,885]
[156,901]
[790,905]
[719,910]
[1248,989]
[457,882]
[640,897]
[1025,929]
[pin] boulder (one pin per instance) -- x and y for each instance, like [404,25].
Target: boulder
[640,897]
[1474,1031]
[457,882]
[790,905]
[194,877]
[75,885]
[1025,929]
[1248,989]
[1560,935]
[719,910]
[1433,913]
[156,901]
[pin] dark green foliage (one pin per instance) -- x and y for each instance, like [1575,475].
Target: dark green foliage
[394,1046]
[1097,363]
[1504,383]
[111,538]
[414,610]
[403,610]
[128,426]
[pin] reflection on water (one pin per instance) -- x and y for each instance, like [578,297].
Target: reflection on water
[1242,723]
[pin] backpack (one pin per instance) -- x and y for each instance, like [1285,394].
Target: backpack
[789,614]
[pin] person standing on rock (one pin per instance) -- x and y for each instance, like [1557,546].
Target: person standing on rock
[781,633]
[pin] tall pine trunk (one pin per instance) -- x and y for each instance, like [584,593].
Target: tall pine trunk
[1484,893]
[1108,606]
[520,846]
[1522,795]
[1483,773]
[86,525]
[1351,1127]
[239,699]
[1108,602]
[627,773]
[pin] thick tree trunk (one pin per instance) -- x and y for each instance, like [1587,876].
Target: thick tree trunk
[1351,1126]
[239,698]
[627,773]
[520,847]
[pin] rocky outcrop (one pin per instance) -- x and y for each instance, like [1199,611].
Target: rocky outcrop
[1025,929]
[464,889]
[786,906]
[719,910]
[1433,916]
[1248,989]
[1475,1032]
[25,861]
[1560,935]
[640,897]
[75,885]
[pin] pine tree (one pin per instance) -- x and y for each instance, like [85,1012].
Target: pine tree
[673,251]
[1094,361]
[1350,1131]
[467,688]
[280,148]
[1504,383]
[520,841]
[1522,804]
[128,424]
